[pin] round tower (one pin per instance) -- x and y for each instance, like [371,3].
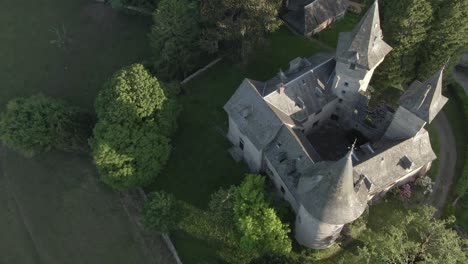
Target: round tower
[328,200]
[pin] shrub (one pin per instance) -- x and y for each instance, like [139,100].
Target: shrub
[161,213]
[259,229]
[131,139]
[39,123]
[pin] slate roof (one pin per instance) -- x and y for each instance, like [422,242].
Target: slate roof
[364,45]
[296,96]
[425,99]
[320,11]
[289,156]
[327,192]
[306,15]
[384,166]
[254,117]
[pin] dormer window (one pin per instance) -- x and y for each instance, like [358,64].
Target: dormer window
[300,102]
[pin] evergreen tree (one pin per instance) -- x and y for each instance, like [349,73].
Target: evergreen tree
[405,25]
[240,25]
[174,37]
[446,39]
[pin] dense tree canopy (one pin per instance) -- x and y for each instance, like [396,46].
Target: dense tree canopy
[259,229]
[174,37]
[411,237]
[405,25]
[38,123]
[162,213]
[238,24]
[131,139]
[447,37]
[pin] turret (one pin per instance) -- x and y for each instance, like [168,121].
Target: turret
[418,106]
[328,200]
[358,54]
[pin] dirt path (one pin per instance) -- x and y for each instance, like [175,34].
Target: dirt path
[447,159]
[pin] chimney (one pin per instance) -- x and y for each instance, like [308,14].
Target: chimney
[280,89]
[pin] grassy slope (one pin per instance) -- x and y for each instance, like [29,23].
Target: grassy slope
[200,163]
[69,216]
[52,208]
[100,42]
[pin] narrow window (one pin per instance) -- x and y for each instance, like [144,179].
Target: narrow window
[340,100]
[346,84]
[241,143]
[352,66]
[282,190]
[343,91]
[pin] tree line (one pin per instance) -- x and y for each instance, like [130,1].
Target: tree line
[424,35]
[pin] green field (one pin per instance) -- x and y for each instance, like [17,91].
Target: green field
[98,41]
[53,209]
[200,163]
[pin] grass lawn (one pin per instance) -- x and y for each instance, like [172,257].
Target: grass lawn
[53,210]
[200,163]
[329,36]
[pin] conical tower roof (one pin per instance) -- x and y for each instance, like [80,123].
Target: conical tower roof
[364,45]
[425,99]
[328,192]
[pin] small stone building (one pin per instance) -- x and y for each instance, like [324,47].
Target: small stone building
[310,130]
[308,17]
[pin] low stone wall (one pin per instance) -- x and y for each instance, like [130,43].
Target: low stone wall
[158,247]
[200,71]
[166,238]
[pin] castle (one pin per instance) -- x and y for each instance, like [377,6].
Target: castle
[299,126]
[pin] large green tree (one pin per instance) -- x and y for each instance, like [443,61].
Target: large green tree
[239,25]
[131,139]
[259,229]
[39,123]
[411,237]
[174,38]
[446,39]
[405,25]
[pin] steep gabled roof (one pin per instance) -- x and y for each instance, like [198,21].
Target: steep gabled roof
[327,192]
[383,167]
[320,11]
[425,99]
[252,115]
[364,45]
